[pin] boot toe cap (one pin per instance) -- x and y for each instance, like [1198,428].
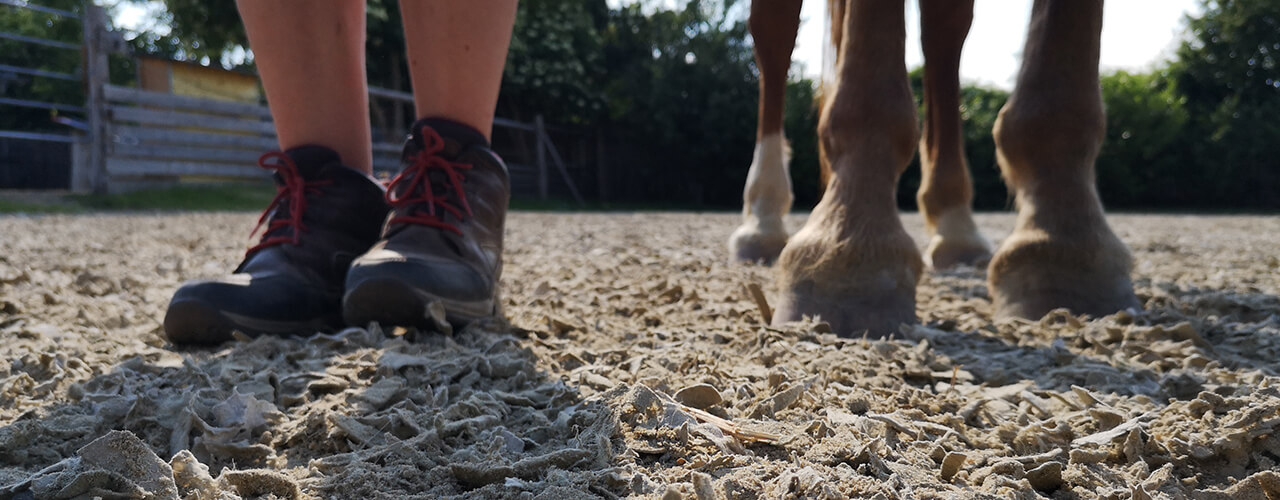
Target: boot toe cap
[436,276]
[207,311]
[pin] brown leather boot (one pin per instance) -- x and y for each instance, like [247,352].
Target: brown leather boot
[443,242]
[291,282]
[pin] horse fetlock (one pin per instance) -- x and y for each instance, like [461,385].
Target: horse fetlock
[882,128]
[766,200]
[1034,141]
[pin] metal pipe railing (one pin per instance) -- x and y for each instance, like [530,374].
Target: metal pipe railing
[27,103]
[36,136]
[40,8]
[5,68]
[39,41]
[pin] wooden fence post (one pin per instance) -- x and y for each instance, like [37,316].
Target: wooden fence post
[564,170]
[95,78]
[540,132]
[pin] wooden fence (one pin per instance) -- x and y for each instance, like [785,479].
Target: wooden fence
[158,137]
[155,135]
[131,138]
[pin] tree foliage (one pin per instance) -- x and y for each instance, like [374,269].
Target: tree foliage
[1228,70]
[554,61]
[682,92]
[1146,119]
[197,29]
[800,123]
[673,90]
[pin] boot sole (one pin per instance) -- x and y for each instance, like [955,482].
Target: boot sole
[194,321]
[391,302]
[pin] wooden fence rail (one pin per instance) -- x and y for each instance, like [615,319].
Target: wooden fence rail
[155,135]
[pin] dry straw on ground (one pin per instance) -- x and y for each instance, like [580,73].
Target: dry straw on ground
[636,364]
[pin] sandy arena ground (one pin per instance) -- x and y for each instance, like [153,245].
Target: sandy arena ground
[636,364]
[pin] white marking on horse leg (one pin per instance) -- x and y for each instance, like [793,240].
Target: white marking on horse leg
[956,239]
[766,199]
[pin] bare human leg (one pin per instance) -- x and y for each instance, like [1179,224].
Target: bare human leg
[311,61]
[853,264]
[1062,253]
[457,51]
[946,192]
[767,198]
[328,209]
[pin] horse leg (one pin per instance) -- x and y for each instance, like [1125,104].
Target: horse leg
[766,199]
[852,263]
[1062,252]
[946,193]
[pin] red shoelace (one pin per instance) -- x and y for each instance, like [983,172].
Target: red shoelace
[293,190]
[417,189]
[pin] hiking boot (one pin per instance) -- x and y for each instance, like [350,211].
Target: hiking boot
[323,216]
[443,242]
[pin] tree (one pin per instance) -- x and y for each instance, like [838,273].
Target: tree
[682,96]
[554,62]
[1228,69]
[197,29]
[552,65]
[1139,164]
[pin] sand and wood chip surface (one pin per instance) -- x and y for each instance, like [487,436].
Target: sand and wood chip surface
[635,363]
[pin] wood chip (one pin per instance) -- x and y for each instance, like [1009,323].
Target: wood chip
[1107,436]
[757,294]
[596,380]
[703,487]
[559,326]
[1086,397]
[731,428]
[1046,477]
[700,396]
[951,465]
[436,312]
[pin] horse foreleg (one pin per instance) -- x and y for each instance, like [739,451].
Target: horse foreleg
[767,197]
[946,192]
[1062,253]
[853,264]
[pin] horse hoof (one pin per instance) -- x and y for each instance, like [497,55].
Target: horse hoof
[856,313]
[750,244]
[946,253]
[1033,273]
[859,284]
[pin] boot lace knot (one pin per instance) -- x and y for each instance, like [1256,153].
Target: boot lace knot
[286,209]
[425,203]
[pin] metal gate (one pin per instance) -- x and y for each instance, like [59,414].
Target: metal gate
[36,143]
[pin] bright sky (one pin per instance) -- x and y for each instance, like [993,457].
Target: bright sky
[1135,35]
